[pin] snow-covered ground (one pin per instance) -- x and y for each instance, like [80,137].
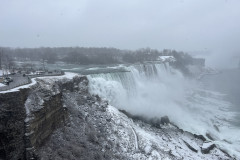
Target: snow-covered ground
[156,90]
[2,85]
[67,75]
[96,130]
[104,128]
[166,58]
[167,142]
[2,72]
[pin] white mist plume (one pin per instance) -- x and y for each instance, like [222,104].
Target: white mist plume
[157,90]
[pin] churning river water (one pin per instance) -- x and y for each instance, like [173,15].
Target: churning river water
[209,106]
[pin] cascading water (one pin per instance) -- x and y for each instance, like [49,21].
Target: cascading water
[156,89]
[139,82]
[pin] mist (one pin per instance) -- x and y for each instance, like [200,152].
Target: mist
[172,24]
[168,92]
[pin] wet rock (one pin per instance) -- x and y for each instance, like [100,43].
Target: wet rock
[207,147]
[210,136]
[191,147]
[200,137]
[103,108]
[108,147]
[165,120]
[227,141]
[108,119]
[155,122]
[216,128]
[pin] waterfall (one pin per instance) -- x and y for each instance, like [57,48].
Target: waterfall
[156,89]
[120,87]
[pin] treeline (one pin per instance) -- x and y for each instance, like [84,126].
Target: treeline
[83,55]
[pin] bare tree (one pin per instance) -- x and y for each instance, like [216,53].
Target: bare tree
[1,54]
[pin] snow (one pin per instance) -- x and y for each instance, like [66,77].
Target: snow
[166,58]
[67,75]
[136,140]
[4,72]
[155,143]
[147,149]
[133,139]
[21,87]
[207,145]
[93,68]
[2,85]
[191,143]
[204,111]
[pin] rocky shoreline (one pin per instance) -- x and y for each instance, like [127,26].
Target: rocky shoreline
[60,119]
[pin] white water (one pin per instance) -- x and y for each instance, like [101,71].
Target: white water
[156,90]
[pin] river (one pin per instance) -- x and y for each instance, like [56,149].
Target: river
[207,107]
[228,83]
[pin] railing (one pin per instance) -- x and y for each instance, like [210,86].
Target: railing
[28,80]
[47,74]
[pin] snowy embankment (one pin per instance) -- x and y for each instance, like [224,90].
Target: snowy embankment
[2,72]
[67,75]
[152,90]
[166,142]
[166,59]
[2,85]
[96,130]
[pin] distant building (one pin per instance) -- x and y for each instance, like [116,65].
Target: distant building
[40,72]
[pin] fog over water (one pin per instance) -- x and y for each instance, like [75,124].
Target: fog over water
[226,82]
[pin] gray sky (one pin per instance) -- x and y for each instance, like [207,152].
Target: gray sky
[189,25]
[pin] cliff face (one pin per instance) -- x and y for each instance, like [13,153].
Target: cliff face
[28,116]
[45,110]
[12,116]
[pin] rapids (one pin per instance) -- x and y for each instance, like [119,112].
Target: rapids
[156,90]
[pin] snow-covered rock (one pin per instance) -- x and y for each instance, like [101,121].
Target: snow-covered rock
[2,85]
[96,130]
[207,147]
[73,124]
[166,59]
[2,72]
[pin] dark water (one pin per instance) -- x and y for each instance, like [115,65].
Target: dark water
[227,82]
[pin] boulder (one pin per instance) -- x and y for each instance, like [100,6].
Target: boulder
[155,122]
[191,147]
[165,120]
[207,147]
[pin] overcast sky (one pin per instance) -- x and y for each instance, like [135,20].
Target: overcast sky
[188,25]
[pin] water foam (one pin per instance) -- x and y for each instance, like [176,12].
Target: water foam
[155,90]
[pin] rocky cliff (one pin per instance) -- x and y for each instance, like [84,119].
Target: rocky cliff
[12,116]
[57,118]
[29,115]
